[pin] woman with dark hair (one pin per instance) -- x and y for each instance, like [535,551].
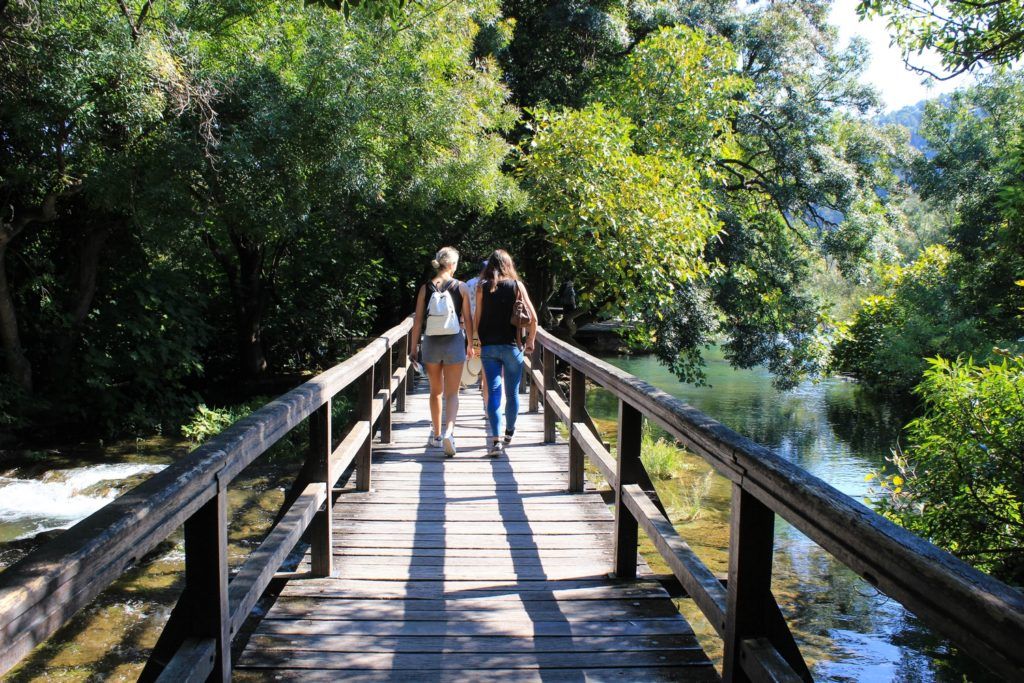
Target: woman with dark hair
[500,349]
[443,314]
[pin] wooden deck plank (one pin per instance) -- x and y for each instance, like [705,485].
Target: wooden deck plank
[471,568]
[474,644]
[468,591]
[464,660]
[353,539]
[360,610]
[521,628]
[605,675]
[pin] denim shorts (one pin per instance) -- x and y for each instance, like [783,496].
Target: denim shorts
[444,348]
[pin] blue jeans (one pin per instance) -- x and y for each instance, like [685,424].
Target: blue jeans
[495,358]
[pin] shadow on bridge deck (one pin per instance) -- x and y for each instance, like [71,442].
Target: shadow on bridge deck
[472,569]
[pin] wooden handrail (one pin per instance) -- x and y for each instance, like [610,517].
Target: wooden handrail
[42,591]
[984,616]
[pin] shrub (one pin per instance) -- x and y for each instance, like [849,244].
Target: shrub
[917,317]
[661,458]
[691,502]
[208,422]
[960,482]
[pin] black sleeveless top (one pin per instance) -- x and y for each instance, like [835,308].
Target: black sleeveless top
[495,325]
[452,286]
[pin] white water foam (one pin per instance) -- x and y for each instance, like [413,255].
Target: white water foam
[56,501]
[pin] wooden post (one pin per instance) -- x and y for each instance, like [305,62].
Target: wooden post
[535,362]
[320,532]
[549,385]
[364,413]
[627,472]
[410,383]
[751,540]
[386,377]
[206,576]
[202,610]
[577,409]
[403,362]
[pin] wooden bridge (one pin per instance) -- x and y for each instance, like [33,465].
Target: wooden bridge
[422,568]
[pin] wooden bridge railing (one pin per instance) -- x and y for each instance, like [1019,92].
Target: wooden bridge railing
[43,591]
[981,615]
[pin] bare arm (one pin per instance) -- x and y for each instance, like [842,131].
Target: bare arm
[479,307]
[531,335]
[467,318]
[417,323]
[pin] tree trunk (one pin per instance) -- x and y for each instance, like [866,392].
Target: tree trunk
[249,297]
[571,321]
[81,293]
[249,309]
[18,365]
[17,362]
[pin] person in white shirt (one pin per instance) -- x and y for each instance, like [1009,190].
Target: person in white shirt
[471,285]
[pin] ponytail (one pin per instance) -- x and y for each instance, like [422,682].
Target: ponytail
[446,257]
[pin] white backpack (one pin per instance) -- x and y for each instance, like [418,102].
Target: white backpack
[442,318]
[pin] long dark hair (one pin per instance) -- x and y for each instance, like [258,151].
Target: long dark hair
[499,266]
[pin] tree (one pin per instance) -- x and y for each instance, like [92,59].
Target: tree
[621,187]
[809,182]
[338,126]
[229,171]
[84,85]
[959,297]
[794,177]
[628,227]
[967,34]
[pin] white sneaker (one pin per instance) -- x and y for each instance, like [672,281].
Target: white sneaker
[433,441]
[497,449]
[449,445]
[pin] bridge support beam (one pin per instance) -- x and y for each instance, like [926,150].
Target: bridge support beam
[549,383]
[386,375]
[202,609]
[535,362]
[753,614]
[628,471]
[364,413]
[403,362]
[751,541]
[320,532]
[577,413]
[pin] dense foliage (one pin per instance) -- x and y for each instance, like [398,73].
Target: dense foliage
[958,297]
[200,192]
[918,316]
[197,191]
[960,480]
[791,175]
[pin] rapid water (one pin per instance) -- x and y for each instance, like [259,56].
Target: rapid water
[846,629]
[62,497]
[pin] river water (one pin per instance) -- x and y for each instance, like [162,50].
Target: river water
[846,629]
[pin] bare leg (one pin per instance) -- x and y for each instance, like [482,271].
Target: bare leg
[434,373]
[452,380]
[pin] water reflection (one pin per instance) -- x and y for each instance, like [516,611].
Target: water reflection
[846,629]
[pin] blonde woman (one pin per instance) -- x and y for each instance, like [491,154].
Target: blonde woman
[499,344]
[443,314]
